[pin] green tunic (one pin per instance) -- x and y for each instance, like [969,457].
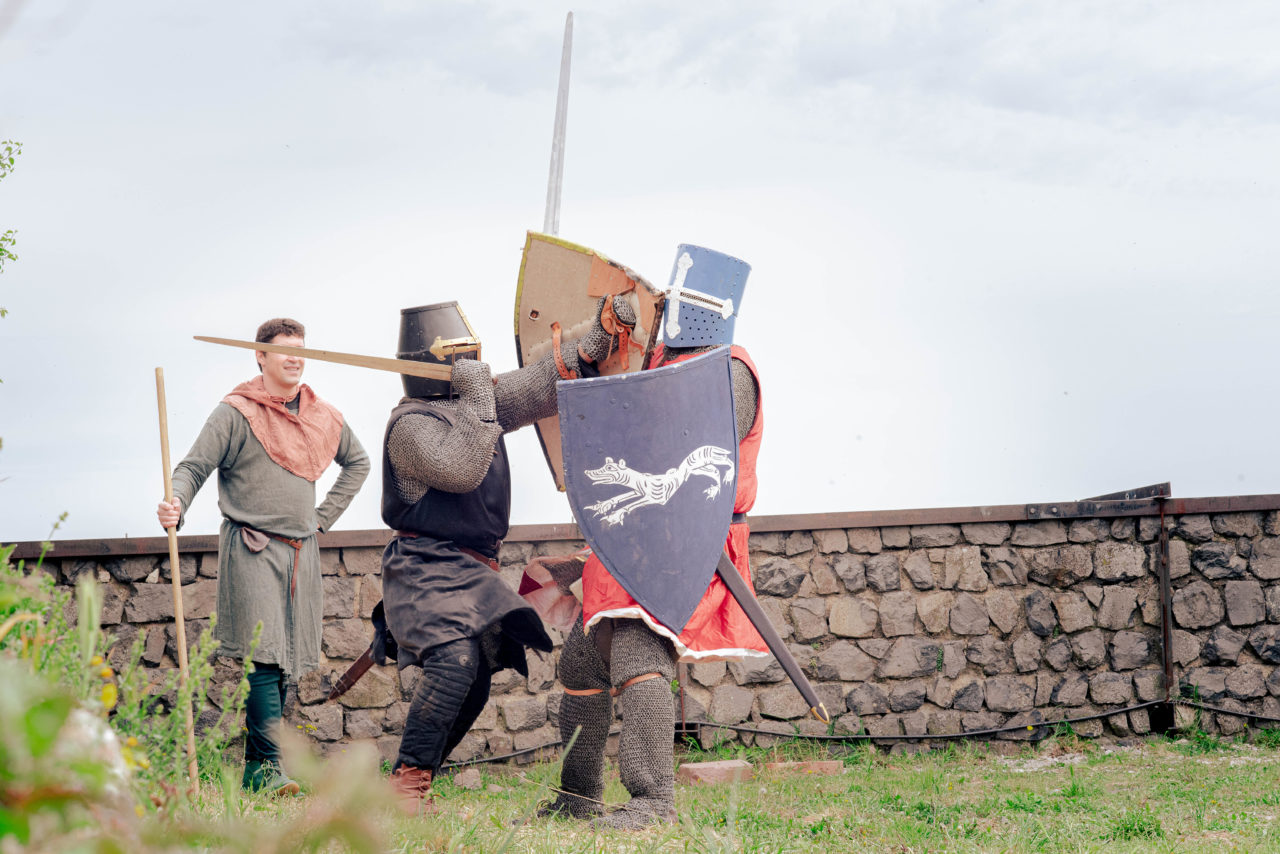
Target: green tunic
[254,491]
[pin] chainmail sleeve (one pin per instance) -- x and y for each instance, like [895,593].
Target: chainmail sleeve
[746,394]
[430,453]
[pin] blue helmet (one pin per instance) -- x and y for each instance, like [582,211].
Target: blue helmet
[702,298]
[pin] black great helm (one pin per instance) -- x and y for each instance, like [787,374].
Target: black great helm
[438,334]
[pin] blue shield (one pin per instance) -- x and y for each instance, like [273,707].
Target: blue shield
[651,463]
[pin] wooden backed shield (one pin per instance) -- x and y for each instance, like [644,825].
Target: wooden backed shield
[561,282]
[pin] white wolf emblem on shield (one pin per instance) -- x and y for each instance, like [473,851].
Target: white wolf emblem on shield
[645,490]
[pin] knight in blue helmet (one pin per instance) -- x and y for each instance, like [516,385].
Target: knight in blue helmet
[617,648]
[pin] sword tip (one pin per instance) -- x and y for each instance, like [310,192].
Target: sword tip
[820,712]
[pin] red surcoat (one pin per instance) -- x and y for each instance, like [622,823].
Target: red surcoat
[718,629]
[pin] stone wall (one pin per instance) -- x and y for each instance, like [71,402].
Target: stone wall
[906,630]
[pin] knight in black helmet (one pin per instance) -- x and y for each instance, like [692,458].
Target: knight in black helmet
[446,491]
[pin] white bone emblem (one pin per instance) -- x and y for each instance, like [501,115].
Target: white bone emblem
[643,489]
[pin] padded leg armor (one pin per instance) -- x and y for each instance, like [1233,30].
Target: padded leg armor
[450,695]
[582,769]
[646,753]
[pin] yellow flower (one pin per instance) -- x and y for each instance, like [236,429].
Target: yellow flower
[131,741]
[106,672]
[95,661]
[109,695]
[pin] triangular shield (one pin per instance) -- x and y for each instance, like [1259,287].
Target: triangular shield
[651,460]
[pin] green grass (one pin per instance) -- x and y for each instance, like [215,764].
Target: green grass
[1065,795]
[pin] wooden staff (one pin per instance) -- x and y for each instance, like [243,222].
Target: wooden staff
[175,574]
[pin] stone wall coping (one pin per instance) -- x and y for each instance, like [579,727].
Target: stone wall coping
[130,546]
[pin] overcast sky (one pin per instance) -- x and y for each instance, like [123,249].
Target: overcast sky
[1002,252]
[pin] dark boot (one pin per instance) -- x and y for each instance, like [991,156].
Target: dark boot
[413,790]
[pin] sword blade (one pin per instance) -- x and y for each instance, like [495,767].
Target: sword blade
[738,587]
[551,221]
[377,363]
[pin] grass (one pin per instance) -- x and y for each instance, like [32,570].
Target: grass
[1064,795]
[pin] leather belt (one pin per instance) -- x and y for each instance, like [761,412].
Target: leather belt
[490,562]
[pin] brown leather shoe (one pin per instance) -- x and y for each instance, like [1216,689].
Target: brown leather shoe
[413,788]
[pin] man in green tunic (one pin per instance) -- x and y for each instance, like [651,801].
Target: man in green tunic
[270,439]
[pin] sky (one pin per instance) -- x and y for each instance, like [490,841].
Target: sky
[1001,252]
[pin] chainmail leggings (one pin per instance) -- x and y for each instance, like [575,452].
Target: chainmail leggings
[446,702]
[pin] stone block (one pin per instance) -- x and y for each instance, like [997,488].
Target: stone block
[898,614]
[1088,530]
[1264,561]
[778,576]
[851,570]
[986,533]
[991,654]
[707,673]
[323,722]
[1179,559]
[1246,604]
[1072,691]
[919,570]
[1074,612]
[756,671]
[152,603]
[1237,524]
[1010,693]
[910,658]
[364,723]
[1148,528]
[934,610]
[1194,528]
[969,615]
[962,570]
[1041,617]
[376,690]
[1026,652]
[1149,685]
[1118,605]
[864,540]
[362,561]
[907,696]
[114,595]
[1062,566]
[1186,647]
[843,661]
[895,537]
[1217,561]
[1046,533]
[1122,529]
[731,704]
[825,580]
[1002,606]
[1005,566]
[368,595]
[776,610]
[1111,689]
[1093,593]
[713,773]
[1265,641]
[809,618]
[524,713]
[1058,654]
[867,698]
[969,696]
[797,543]
[782,703]
[882,572]
[188,565]
[934,536]
[1089,649]
[1129,650]
[829,541]
[339,596]
[131,569]
[346,639]
[853,617]
[1027,726]
[1247,683]
[1197,606]
[543,736]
